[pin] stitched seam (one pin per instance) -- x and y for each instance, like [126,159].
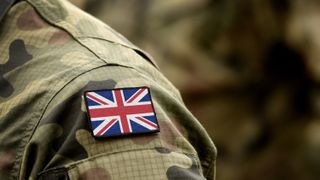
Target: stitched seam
[92,158]
[75,38]
[78,38]
[34,124]
[211,168]
[55,171]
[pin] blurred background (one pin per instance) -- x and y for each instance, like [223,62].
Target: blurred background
[249,70]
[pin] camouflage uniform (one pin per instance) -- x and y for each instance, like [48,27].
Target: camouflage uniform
[50,53]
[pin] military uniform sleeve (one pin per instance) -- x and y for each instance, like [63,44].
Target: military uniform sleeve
[53,54]
[63,146]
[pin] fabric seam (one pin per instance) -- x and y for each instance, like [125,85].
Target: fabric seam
[75,38]
[34,126]
[74,164]
[78,37]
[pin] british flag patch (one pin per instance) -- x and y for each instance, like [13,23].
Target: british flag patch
[118,112]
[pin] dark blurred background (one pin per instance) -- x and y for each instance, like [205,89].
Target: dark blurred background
[249,70]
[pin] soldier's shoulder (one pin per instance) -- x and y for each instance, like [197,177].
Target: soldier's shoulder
[106,43]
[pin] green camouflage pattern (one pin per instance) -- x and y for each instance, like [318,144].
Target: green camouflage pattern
[50,53]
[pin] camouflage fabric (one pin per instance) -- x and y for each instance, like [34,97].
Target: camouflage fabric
[50,53]
[254,70]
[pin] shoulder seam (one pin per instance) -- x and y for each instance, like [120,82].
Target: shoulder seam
[79,38]
[45,18]
[34,126]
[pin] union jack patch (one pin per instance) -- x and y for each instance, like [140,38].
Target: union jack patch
[118,112]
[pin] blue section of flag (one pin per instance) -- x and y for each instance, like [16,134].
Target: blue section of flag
[91,103]
[139,128]
[95,124]
[128,93]
[113,131]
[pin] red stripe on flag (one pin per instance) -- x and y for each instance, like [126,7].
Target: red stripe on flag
[123,115]
[147,122]
[135,95]
[96,99]
[118,111]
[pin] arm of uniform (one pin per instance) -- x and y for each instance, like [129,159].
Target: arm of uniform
[65,119]
[64,146]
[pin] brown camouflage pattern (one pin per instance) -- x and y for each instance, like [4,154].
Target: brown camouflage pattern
[50,53]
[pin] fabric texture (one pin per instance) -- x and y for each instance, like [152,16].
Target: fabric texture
[50,54]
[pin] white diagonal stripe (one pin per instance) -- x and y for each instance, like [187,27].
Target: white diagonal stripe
[100,98]
[102,125]
[138,98]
